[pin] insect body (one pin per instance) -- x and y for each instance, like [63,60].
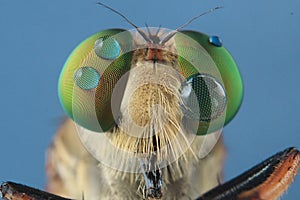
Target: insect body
[149,105]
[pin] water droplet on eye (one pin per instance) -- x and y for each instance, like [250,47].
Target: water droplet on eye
[107,48]
[209,95]
[86,78]
[216,41]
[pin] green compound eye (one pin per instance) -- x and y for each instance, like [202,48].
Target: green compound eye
[107,48]
[214,78]
[89,77]
[86,78]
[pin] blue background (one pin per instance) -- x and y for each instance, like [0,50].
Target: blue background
[37,36]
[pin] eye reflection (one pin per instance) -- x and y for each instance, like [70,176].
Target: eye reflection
[107,48]
[86,78]
[216,41]
[205,92]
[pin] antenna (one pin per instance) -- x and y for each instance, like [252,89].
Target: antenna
[124,17]
[196,17]
[170,35]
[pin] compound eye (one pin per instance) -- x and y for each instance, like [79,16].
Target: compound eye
[89,77]
[206,94]
[107,48]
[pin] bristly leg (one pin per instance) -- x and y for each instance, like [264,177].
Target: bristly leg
[15,191]
[267,180]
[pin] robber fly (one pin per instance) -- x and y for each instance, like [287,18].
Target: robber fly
[147,108]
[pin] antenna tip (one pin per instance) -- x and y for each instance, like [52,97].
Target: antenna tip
[101,4]
[218,7]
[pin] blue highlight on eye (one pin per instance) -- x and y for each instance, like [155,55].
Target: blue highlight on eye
[216,41]
[107,48]
[86,78]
